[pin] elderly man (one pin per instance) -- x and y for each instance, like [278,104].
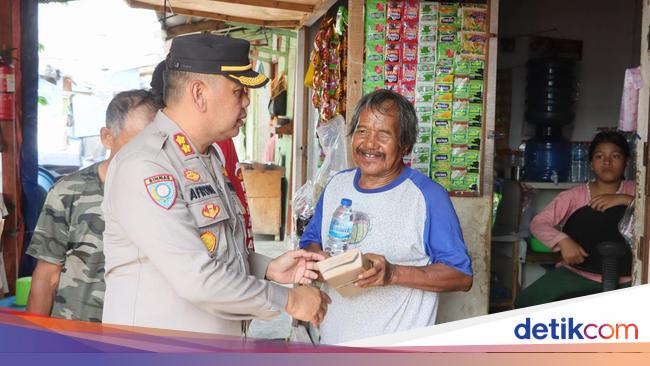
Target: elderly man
[174,239]
[405,225]
[68,281]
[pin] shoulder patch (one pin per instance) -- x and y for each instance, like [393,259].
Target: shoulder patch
[183,144]
[191,175]
[162,190]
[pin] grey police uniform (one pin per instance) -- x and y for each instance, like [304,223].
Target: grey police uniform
[174,241]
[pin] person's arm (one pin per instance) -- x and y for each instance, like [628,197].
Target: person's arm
[45,282]
[543,225]
[312,239]
[450,267]
[49,245]
[435,277]
[171,241]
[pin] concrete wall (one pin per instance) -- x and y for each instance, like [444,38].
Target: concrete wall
[610,32]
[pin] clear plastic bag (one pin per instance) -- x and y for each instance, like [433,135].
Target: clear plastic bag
[332,139]
[626,225]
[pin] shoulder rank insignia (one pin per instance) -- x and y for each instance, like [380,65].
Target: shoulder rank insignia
[183,144]
[210,241]
[211,210]
[191,175]
[162,190]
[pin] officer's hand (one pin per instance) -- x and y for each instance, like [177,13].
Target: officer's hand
[308,304]
[295,266]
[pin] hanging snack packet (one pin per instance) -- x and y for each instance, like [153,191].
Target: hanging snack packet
[458,156]
[474,19]
[447,49]
[476,69]
[461,87]
[459,132]
[442,110]
[424,94]
[442,177]
[475,114]
[473,45]
[428,12]
[394,11]
[426,53]
[442,127]
[461,110]
[445,74]
[443,92]
[476,91]
[440,144]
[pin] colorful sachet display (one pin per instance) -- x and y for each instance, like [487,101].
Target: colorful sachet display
[434,53]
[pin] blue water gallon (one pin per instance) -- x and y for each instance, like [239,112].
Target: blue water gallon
[547,156]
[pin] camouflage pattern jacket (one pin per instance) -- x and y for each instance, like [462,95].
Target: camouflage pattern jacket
[69,233]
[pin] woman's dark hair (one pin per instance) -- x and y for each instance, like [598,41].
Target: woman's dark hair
[612,137]
[408,120]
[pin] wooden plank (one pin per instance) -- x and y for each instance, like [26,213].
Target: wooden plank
[284,5]
[207,25]
[216,16]
[319,11]
[640,261]
[356,38]
[11,244]
[266,214]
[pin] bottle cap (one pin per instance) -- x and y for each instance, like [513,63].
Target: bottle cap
[346,202]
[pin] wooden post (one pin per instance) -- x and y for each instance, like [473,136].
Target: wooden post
[11,244]
[356,38]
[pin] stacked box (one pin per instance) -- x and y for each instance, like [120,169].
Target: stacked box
[375,30]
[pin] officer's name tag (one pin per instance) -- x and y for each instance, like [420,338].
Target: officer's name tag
[202,191]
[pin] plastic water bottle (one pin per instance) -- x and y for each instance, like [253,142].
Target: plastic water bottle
[579,163]
[340,228]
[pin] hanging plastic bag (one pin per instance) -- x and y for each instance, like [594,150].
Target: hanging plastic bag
[630,100]
[626,225]
[332,138]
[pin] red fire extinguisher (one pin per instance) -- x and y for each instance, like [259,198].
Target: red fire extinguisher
[7,85]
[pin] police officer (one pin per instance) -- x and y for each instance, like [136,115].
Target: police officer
[174,239]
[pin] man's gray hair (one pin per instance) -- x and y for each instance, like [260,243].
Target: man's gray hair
[376,102]
[124,103]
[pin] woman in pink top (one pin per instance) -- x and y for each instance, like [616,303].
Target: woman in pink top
[590,214]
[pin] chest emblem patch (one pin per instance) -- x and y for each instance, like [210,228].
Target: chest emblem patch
[191,175]
[210,241]
[162,190]
[183,144]
[211,210]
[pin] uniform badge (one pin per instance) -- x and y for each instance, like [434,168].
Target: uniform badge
[210,241]
[162,190]
[191,175]
[211,210]
[183,144]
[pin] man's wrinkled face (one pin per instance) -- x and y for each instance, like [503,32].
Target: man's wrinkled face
[375,142]
[228,101]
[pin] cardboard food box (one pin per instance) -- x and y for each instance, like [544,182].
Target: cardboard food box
[341,271]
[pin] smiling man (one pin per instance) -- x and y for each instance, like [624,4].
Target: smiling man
[405,225]
[174,241]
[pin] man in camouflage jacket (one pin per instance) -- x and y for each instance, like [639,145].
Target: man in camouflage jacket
[68,281]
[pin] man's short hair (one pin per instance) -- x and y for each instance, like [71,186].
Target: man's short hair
[175,83]
[124,103]
[408,120]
